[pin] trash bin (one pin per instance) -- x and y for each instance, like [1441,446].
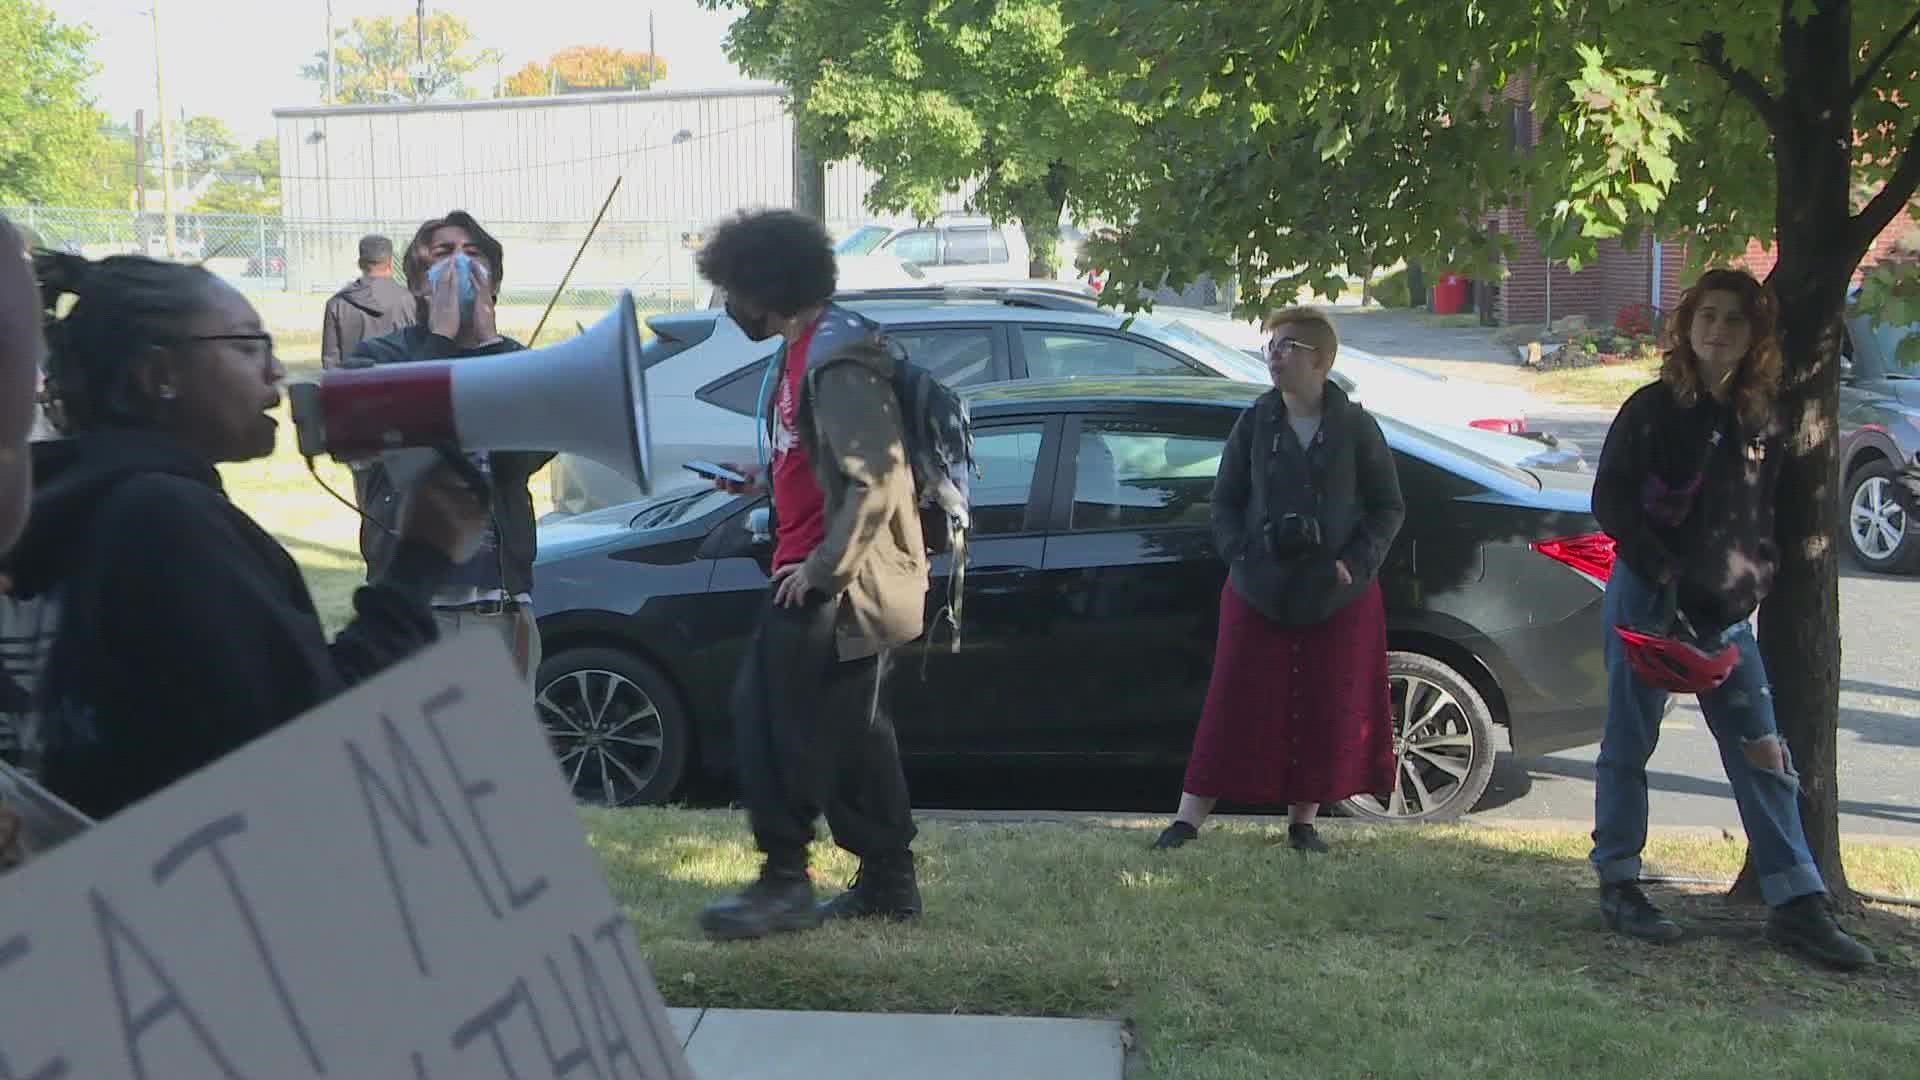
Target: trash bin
[1449,294]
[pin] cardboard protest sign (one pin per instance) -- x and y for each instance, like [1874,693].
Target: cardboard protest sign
[394,886]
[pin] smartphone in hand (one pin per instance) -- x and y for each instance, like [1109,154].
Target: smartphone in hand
[715,472]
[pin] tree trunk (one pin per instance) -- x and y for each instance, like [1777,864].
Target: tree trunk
[1800,621]
[1045,204]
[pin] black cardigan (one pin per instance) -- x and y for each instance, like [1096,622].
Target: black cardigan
[1265,474]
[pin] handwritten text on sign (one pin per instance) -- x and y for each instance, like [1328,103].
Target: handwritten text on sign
[393,886]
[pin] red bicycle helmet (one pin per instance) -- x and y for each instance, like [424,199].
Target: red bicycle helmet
[1677,664]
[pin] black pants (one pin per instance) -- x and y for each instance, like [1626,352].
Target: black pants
[812,736]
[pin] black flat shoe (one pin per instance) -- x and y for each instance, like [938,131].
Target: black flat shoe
[1306,838]
[1175,835]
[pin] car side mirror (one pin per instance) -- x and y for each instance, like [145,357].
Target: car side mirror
[760,526]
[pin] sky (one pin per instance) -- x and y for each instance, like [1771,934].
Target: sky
[240,59]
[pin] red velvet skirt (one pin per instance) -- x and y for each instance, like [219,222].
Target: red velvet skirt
[1296,714]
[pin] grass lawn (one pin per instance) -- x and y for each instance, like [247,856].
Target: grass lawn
[1604,384]
[1409,952]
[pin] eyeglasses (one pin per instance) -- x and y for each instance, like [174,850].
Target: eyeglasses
[1282,346]
[265,339]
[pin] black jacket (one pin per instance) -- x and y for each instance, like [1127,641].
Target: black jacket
[363,309]
[1346,479]
[185,630]
[1687,494]
[512,472]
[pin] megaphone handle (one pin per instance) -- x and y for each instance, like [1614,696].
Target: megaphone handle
[475,480]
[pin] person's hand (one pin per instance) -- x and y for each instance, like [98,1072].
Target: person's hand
[755,475]
[1341,573]
[442,512]
[790,585]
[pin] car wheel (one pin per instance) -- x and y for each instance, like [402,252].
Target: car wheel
[1442,744]
[1877,527]
[616,726]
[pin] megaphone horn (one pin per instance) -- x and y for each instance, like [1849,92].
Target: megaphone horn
[586,396]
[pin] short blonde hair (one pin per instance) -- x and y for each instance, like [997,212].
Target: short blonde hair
[1318,328]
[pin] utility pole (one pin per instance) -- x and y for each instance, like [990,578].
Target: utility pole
[140,157]
[330,90]
[166,133]
[420,50]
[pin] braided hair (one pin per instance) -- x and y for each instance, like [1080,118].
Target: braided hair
[123,305]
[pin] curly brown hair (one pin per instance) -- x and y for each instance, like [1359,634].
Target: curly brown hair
[1757,384]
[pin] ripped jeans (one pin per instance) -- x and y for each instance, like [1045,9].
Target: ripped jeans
[1739,713]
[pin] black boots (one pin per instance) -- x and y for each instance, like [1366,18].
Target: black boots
[1806,924]
[1626,910]
[884,888]
[779,901]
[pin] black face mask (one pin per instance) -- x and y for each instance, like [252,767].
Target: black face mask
[759,329]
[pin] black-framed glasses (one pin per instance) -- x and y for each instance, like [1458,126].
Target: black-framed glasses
[1281,346]
[258,338]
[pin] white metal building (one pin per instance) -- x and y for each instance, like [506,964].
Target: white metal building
[537,169]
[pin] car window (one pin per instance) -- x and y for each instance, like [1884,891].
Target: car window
[971,247]
[862,240]
[1055,354]
[916,246]
[957,357]
[1007,458]
[1131,476]
[997,247]
[738,392]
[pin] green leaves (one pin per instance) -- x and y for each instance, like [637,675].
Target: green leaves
[931,95]
[49,131]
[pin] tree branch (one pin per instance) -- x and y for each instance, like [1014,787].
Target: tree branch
[1892,199]
[1713,53]
[1873,67]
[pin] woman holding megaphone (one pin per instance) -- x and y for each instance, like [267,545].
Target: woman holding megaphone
[184,629]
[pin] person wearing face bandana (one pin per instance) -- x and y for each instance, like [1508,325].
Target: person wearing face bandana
[453,269]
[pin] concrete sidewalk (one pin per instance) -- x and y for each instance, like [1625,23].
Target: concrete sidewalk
[756,1044]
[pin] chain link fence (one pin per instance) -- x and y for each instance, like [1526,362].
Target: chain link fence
[289,267]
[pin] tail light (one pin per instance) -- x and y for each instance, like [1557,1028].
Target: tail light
[1590,554]
[1505,426]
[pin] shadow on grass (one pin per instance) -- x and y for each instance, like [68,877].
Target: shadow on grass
[1406,952]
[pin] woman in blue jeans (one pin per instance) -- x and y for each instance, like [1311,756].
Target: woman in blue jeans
[1686,488]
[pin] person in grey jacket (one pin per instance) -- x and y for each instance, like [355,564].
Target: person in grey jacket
[1305,508]
[368,307]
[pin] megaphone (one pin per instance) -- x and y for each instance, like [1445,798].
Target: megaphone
[585,396]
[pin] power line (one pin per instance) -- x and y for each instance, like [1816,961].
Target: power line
[508,169]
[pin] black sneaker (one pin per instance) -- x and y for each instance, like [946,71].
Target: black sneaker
[880,890]
[776,903]
[1175,835]
[1806,923]
[1627,910]
[1306,838]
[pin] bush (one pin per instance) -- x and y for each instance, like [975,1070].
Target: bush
[1391,290]
[1634,320]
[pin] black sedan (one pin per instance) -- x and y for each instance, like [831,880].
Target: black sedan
[1092,593]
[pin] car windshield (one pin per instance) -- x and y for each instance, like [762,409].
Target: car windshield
[681,504]
[862,240]
[1221,357]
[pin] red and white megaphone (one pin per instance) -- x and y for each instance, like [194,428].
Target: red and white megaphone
[586,396]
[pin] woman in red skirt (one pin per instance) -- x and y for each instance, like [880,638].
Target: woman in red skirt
[1306,505]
